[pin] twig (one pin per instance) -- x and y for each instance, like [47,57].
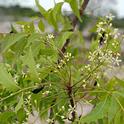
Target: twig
[74,23]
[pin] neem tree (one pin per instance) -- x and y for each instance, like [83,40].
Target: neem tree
[52,74]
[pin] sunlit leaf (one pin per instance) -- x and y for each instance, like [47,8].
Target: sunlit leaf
[28,60]
[10,40]
[41,25]
[117,119]
[98,112]
[6,79]
[61,39]
[41,9]
[6,117]
[113,109]
[74,6]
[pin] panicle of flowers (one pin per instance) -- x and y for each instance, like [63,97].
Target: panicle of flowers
[104,26]
[104,57]
[94,55]
[64,61]
[105,53]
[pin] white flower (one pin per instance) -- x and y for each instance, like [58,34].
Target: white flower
[50,36]
[110,24]
[115,30]
[46,93]
[63,107]
[100,23]
[37,65]
[113,44]
[115,36]
[88,67]
[116,61]
[110,16]
[62,117]
[49,120]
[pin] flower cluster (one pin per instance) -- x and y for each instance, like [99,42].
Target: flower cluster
[108,53]
[99,56]
[64,61]
[102,55]
[107,32]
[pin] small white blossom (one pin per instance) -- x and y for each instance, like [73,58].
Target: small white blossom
[63,107]
[84,85]
[115,36]
[110,24]
[116,61]
[37,65]
[50,36]
[110,16]
[46,93]
[49,120]
[113,44]
[62,117]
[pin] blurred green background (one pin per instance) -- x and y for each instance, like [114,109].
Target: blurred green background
[14,10]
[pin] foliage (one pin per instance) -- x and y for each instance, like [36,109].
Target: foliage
[39,72]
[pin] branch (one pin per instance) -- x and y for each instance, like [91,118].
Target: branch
[74,23]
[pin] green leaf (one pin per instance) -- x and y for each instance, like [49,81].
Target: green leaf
[51,19]
[74,6]
[44,72]
[114,82]
[111,84]
[21,115]
[6,117]
[62,38]
[98,112]
[94,45]
[57,11]
[48,52]
[28,60]
[33,39]
[120,93]
[41,9]
[117,119]
[20,103]
[119,82]
[10,40]
[67,25]
[6,79]
[114,107]
[55,15]
[41,26]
